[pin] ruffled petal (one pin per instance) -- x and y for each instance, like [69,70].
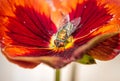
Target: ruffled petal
[23,64]
[103,47]
[31,62]
[107,49]
[31,57]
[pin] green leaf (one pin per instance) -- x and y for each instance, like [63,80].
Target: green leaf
[86,59]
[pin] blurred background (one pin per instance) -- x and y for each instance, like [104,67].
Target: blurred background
[102,71]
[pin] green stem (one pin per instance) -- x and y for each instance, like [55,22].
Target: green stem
[57,75]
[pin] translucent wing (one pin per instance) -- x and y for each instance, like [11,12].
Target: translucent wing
[69,26]
[63,21]
[76,22]
[73,25]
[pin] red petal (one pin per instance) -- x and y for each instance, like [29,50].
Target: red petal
[102,47]
[107,49]
[93,15]
[30,28]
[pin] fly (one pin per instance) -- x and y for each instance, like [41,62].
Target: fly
[63,36]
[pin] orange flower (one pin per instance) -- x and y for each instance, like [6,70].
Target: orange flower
[58,32]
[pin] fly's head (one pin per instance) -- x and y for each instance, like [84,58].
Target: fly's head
[59,43]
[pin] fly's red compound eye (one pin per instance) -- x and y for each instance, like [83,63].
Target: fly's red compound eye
[62,44]
[59,43]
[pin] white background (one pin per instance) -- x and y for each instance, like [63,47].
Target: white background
[102,71]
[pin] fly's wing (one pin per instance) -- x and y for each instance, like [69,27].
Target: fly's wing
[64,21]
[74,24]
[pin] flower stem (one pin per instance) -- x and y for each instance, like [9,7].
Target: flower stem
[57,75]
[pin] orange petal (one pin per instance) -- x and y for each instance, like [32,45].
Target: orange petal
[31,57]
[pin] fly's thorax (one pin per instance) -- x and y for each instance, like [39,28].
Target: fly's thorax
[62,35]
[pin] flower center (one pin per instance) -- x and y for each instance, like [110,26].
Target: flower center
[58,44]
